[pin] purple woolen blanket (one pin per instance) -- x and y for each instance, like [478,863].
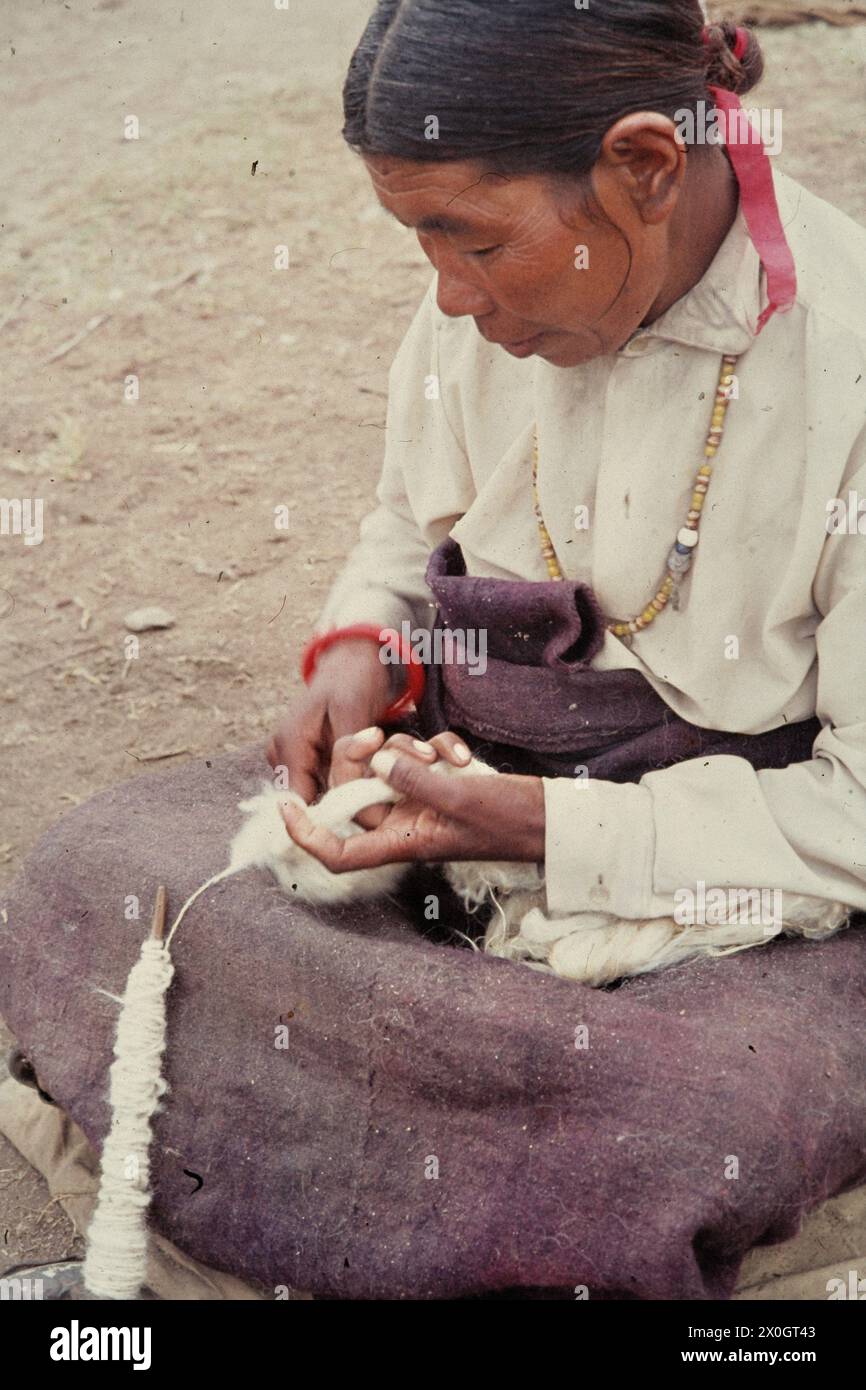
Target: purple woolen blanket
[441,1123]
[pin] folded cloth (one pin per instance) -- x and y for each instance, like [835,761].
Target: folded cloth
[440,1123]
[539,706]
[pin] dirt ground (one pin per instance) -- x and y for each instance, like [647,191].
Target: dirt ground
[257,387]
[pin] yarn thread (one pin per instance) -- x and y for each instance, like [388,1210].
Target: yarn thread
[116,1260]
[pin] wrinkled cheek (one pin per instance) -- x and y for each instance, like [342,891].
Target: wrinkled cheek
[613,315]
[577,303]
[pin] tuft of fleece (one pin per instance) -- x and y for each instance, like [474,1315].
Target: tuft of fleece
[263,842]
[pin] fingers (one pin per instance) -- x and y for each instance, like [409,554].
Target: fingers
[302,779]
[351,754]
[451,748]
[340,856]
[416,782]
[351,758]
[294,752]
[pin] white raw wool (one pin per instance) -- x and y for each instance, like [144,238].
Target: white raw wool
[593,948]
[263,842]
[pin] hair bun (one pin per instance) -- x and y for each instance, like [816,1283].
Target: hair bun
[723,68]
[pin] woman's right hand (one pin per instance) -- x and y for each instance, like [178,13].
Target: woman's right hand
[350,691]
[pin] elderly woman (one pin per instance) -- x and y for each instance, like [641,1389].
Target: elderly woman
[626,420]
[624,455]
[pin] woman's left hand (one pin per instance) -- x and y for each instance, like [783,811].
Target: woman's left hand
[439,818]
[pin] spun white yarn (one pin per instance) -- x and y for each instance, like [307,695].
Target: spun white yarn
[116,1261]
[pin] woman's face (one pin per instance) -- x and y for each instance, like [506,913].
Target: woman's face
[520,254]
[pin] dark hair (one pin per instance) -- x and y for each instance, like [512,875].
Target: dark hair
[530,86]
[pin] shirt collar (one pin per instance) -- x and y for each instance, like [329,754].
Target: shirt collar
[720,313]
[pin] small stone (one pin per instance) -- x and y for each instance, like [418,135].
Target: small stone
[145,619]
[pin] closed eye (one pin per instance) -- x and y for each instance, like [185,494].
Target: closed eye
[485,251]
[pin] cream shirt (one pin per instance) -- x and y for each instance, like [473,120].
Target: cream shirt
[772,622]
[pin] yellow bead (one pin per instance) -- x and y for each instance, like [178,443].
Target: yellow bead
[697,501]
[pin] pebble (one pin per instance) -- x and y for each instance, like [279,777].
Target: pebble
[144,619]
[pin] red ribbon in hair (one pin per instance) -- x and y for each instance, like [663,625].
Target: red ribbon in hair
[751,165]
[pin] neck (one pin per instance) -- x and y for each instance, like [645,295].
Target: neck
[702,219]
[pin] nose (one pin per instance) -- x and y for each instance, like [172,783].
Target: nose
[457,298]
[456,295]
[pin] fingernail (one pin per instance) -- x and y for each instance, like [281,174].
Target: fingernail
[422,746]
[382,762]
[462,752]
[370,733]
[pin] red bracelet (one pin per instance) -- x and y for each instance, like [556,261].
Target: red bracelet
[416,678]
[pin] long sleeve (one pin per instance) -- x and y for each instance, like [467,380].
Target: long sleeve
[383,579]
[628,849]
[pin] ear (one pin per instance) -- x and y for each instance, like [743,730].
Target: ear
[643,157]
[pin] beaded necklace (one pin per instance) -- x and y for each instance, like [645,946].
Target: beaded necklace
[680,558]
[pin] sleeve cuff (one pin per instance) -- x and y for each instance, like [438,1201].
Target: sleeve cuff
[599,847]
[377,606]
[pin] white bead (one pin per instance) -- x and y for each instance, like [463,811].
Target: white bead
[687,537]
